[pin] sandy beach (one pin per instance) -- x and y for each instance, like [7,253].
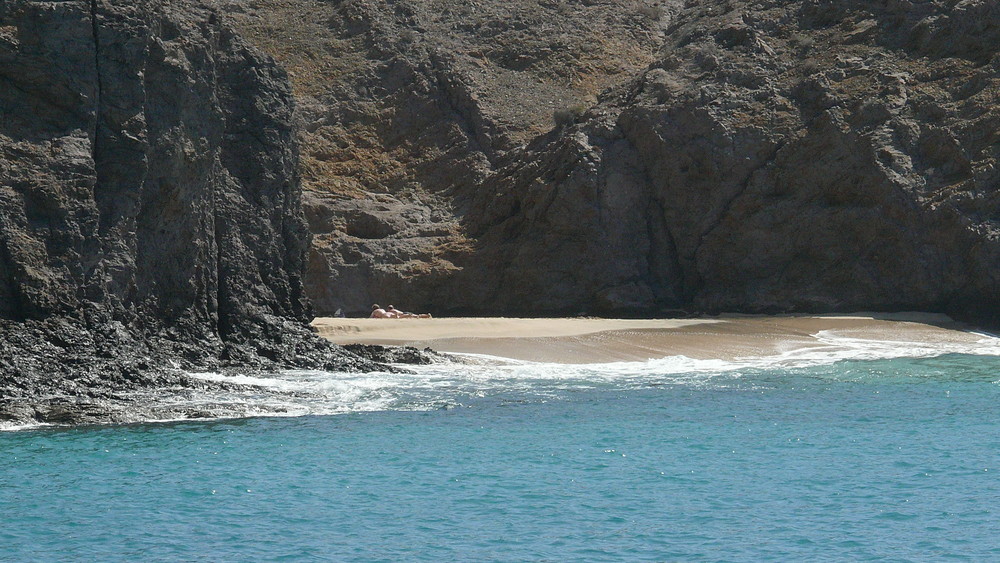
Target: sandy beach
[591,340]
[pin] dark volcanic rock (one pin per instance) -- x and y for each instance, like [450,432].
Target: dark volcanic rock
[149,205]
[783,156]
[394,354]
[549,158]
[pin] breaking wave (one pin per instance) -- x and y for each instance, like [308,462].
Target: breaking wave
[471,377]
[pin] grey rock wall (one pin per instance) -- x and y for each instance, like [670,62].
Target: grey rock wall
[779,157]
[150,206]
[149,165]
[517,158]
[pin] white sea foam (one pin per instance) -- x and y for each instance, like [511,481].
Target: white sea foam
[444,385]
[292,393]
[853,348]
[6,426]
[830,347]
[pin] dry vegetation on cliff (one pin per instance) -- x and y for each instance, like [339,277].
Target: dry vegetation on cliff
[406,106]
[755,156]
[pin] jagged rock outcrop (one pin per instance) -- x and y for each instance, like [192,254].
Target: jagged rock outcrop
[150,208]
[784,156]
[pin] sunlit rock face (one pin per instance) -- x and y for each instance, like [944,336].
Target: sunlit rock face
[618,158]
[777,157]
[149,166]
[150,209]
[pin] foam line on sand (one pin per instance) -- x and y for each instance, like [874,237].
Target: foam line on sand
[590,340]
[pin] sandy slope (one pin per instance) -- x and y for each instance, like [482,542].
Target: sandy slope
[585,340]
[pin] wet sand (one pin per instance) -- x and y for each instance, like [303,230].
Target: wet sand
[589,340]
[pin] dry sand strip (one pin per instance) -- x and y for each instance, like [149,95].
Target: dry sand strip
[589,340]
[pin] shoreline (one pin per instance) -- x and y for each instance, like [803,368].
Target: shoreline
[595,340]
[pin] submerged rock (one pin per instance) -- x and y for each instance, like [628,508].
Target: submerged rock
[394,354]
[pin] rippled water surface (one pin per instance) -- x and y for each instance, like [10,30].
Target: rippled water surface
[855,460]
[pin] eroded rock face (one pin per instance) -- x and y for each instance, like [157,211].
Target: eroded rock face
[406,106]
[139,140]
[150,206]
[792,156]
[491,158]
[758,157]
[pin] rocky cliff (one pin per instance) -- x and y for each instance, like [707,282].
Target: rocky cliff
[635,158]
[150,207]
[777,157]
[405,106]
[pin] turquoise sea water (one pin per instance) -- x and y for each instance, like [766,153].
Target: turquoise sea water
[876,459]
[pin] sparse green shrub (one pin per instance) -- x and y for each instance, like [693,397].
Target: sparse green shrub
[652,12]
[568,116]
[803,42]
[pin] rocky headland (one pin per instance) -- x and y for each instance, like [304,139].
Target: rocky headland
[642,158]
[150,211]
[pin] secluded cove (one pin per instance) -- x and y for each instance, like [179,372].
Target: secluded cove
[185,183]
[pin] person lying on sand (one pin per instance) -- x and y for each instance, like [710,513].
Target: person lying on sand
[391,312]
[395,313]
